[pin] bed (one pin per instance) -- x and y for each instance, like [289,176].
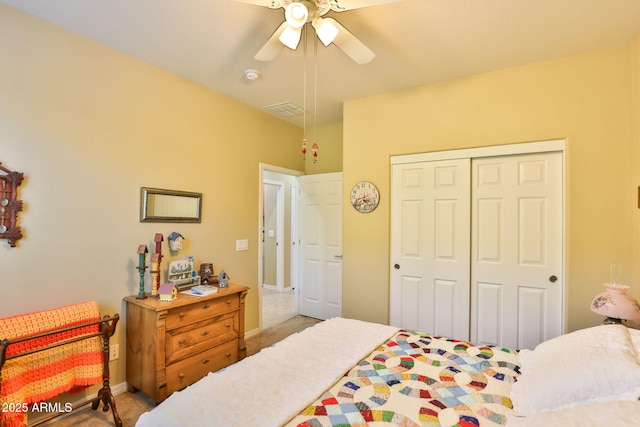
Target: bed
[344,372]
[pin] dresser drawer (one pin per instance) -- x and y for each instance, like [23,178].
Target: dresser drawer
[188,371]
[201,310]
[191,339]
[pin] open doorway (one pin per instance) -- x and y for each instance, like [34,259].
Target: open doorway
[277,258]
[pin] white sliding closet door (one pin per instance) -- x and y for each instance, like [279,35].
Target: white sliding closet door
[516,250]
[477,244]
[430,247]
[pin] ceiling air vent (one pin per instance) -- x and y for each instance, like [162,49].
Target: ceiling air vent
[284,109]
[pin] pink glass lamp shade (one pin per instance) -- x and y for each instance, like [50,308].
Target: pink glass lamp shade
[615,304]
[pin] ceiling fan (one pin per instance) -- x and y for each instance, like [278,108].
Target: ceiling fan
[299,12]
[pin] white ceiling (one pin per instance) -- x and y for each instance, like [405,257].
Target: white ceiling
[212,42]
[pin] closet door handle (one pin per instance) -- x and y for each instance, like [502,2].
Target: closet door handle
[553,279]
[396,266]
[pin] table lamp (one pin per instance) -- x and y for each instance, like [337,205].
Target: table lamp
[615,304]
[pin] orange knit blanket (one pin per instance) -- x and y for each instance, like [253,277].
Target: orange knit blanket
[35,377]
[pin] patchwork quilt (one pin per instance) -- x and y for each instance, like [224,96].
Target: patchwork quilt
[416,379]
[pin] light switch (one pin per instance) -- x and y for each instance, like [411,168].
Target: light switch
[242,245]
[272,233]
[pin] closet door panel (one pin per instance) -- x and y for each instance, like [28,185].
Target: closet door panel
[489,318]
[532,308]
[430,247]
[517,242]
[490,230]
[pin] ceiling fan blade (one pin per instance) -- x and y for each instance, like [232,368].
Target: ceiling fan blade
[341,5]
[271,4]
[350,45]
[273,46]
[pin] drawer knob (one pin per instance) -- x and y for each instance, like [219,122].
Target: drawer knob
[205,306]
[181,375]
[205,361]
[181,315]
[228,302]
[228,325]
[228,355]
[180,342]
[205,333]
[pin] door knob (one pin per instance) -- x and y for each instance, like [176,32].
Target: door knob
[396,266]
[553,279]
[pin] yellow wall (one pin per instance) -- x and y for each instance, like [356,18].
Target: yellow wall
[585,99]
[89,126]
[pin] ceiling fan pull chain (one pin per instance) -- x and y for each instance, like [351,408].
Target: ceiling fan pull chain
[314,147]
[304,97]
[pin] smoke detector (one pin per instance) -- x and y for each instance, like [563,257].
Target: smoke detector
[252,75]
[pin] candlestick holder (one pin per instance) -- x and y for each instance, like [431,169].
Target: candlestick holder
[142,250]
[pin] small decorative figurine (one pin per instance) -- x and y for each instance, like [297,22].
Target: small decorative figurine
[175,241]
[167,292]
[142,250]
[206,271]
[223,279]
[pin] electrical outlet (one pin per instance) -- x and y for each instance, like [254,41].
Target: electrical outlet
[114,352]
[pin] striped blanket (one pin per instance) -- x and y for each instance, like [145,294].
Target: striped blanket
[39,376]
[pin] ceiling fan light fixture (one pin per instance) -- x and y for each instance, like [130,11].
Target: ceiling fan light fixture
[296,15]
[290,37]
[325,30]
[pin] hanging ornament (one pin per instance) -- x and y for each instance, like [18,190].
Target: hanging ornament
[314,150]
[304,148]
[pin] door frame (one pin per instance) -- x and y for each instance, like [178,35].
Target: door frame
[489,151]
[556,145]
[262,167]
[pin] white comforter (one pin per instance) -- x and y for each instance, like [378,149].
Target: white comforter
[243,394]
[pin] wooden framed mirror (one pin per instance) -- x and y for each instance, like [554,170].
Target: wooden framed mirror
[160,205]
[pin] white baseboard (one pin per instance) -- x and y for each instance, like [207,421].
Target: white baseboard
[249,334]
[119,388]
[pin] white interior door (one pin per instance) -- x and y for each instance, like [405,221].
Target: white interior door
[320,248]
[430,247]
[517,270]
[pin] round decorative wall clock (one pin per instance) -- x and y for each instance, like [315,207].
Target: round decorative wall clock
[365,197]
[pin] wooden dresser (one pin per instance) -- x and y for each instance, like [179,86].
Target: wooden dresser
[171,345]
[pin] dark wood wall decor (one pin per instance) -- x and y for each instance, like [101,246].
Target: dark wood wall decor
[10,205]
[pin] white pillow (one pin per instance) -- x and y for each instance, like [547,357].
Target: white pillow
[590,365]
